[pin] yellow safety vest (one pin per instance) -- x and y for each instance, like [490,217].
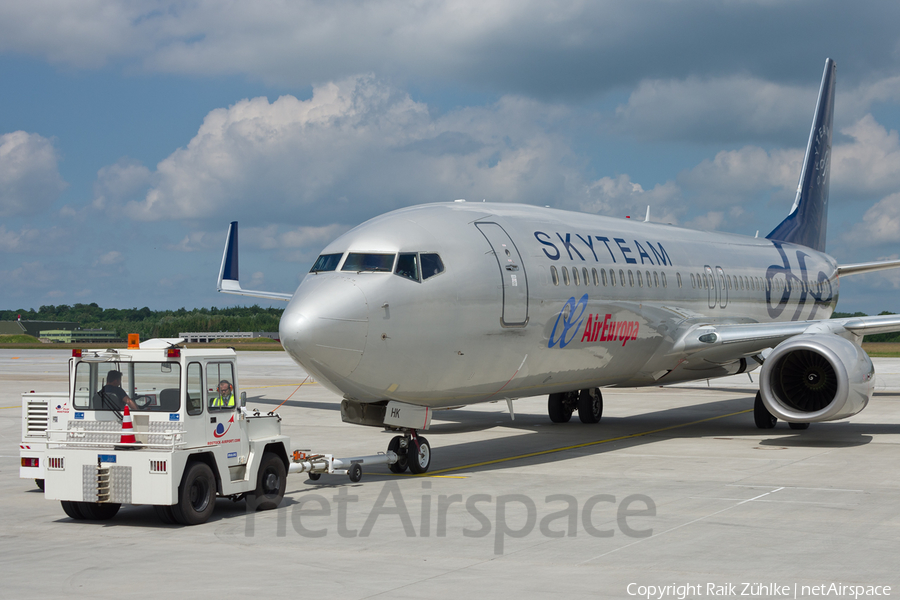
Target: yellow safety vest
[221,402]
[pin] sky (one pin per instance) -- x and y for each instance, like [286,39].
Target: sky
[132,133]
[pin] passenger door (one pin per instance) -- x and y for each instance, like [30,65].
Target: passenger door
[514,282]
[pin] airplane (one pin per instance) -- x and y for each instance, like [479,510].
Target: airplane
[442,305]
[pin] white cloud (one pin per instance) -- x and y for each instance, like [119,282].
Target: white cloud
[125,180]
[29,179]
[30,240]
[870,165]
[734,174]
[721,108]
[621,197]
[880,224]
[527,46]
[113,257]
[357,146]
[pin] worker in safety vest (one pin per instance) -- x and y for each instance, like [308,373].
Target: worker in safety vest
[225,399]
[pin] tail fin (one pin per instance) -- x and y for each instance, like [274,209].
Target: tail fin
[808,218]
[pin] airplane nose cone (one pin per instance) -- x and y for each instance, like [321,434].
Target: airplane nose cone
[325,325]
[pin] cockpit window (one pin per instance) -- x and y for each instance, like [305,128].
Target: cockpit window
[408,266]
[357,261]
[326,262]
[431,265]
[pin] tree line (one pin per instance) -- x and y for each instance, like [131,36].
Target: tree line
[154,323]
[168,323]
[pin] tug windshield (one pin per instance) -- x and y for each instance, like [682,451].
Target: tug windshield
[143,386]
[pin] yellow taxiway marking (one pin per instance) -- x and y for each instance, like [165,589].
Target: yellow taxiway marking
[1,407]
[576,446]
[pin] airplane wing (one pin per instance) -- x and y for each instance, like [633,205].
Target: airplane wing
[229,282]
[724,342]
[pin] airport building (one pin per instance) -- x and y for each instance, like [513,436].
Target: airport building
[195,337]
[79,336]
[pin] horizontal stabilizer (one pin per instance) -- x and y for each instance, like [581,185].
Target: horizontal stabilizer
[229,279]
[867,267]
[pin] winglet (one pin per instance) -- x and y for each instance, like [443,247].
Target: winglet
[808,218]
[229,278]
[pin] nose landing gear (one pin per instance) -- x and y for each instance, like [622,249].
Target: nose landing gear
[413,452]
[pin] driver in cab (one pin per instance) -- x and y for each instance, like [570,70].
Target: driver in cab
[225,399]
[113,391]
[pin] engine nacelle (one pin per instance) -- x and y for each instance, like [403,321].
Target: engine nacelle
[816,377]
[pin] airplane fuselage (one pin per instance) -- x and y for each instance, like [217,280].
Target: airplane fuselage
[532,300]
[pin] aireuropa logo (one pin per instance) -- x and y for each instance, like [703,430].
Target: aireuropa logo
[597,328]
[568,320]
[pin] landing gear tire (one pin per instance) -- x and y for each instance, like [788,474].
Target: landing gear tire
[764,419]
[196,495]
[590,405]
[799,426]
[165,514]
[72,509]
[402,462]
[420,460]
[94,511]
[271,482]
[355,472]
[558,408]
[314,476]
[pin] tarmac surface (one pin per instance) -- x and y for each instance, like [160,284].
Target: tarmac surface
[674,487]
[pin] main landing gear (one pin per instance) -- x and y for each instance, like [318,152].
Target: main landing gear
[766,420]
[413,452]
[588,402]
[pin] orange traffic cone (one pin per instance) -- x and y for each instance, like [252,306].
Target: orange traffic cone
[127,428]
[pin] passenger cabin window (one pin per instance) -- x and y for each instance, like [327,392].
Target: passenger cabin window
[408,266]
[575,276]
[431,265]
[358,261]
[595,278]
[603,277]
[565,273]
[640,282]
[677,277]
[326,262]
[584,276]
[622,277]
[554,275]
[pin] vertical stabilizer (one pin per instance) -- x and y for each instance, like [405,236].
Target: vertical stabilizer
[808,219]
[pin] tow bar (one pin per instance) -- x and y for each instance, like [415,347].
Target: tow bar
[316,464]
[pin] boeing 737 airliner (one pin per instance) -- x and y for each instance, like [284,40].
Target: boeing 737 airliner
[443,305]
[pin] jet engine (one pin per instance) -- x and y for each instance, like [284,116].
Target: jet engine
[816,377]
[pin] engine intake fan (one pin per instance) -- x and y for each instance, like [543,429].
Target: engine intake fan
[816,377]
